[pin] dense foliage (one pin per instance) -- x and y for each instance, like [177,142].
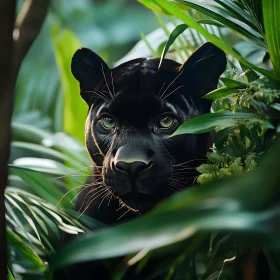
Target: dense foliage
[214,231]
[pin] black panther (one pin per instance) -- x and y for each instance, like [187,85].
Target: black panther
[134,108]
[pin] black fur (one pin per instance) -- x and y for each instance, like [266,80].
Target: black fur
[137,163]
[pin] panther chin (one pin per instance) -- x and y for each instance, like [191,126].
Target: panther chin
[137,202]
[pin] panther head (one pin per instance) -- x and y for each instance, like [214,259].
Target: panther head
[134,108]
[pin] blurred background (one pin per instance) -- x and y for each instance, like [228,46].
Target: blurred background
[110,28]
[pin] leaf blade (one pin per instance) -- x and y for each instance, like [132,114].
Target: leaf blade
[210,121]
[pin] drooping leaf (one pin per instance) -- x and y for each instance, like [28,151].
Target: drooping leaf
[179,29]
[220,93]
[27,251]
[39,183]
[210,121]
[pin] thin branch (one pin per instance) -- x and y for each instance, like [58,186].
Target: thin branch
[27,28]
[7,16]
[12,53]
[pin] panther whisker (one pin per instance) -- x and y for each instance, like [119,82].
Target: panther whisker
[184,172]
[113,83]
[194,177]
[70,174]
[68,193]
[179,164]
[180,73]
[176,178]
[98,191]
[106,195]
[91,202]
[103,93]
[166,190]
[122,205]
[160,90]
[176,186]
[106,82]
[182,168]
[171,188]
[177,181]
[172,92]
[79,193]
[112,194]
[203,58]
[87,186]
[98,95]
[129,209]
[179,174]
[80,186]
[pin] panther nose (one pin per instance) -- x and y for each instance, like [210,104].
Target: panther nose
[133,168]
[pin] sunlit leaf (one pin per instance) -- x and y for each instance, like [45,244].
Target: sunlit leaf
[271,11]
[173,36]
[75,109]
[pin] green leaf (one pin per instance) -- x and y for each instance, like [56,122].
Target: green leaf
[10,274]
[271,12]
[39,183]
[211,22]
[237,12]
[211,121]
[231,83]
[220,206]
[28,252]
[191,22]
[174,34]
[220,93]
[45,151]
[221,15]
[65,44]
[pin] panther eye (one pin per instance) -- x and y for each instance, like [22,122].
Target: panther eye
[108,122]
[166,121]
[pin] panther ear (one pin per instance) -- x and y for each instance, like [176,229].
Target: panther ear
[204,67]
[89,69]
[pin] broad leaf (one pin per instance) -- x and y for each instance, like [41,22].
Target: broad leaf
[220,93]
[211,121]
[222,206]
[75,109]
